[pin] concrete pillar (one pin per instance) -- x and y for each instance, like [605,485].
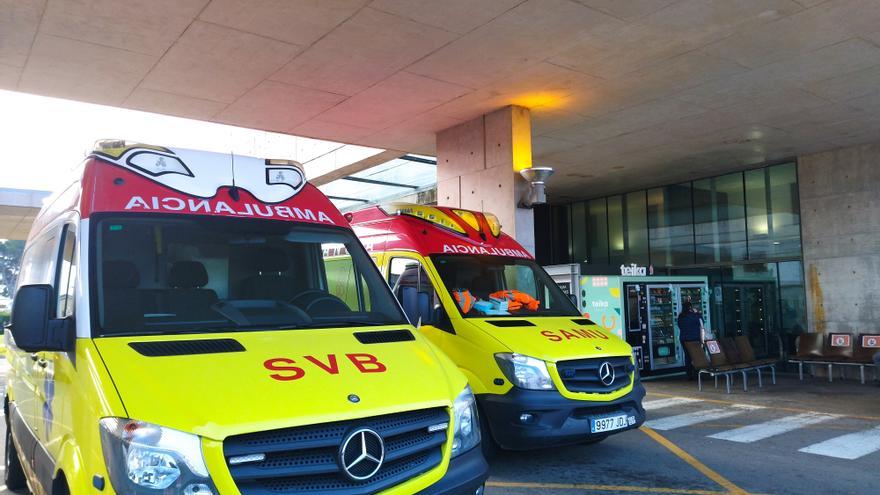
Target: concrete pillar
[840,225]
[478,164]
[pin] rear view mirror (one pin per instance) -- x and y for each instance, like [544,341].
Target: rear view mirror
[32,328]
[441,319]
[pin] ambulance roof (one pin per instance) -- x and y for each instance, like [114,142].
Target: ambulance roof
[433,230]
[128,177]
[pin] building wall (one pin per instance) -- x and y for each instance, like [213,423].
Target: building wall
[840,222]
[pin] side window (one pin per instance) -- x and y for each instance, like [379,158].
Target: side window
[38,261]
[408,279]
[343,281]
[522,278]
[66,278]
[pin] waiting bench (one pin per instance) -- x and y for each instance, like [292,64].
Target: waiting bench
[836,349]
[728,357]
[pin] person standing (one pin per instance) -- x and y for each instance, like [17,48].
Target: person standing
[690,326]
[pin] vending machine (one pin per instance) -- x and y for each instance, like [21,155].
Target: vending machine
[644,311]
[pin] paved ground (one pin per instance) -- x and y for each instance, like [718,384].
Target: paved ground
[793,438]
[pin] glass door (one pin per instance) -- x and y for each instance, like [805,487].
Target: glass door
[745,313]
[662,330]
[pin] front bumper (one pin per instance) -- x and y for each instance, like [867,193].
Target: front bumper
[465,475]
[556,420]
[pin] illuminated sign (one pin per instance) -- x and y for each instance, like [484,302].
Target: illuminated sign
[634,270]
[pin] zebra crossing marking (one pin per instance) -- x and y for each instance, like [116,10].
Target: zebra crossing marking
[688,419]
[760,431]
[850,446]
[653,405]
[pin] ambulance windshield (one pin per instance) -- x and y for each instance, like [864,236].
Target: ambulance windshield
[485,286]
[160,274]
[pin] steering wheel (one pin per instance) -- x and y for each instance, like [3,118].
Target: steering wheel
[317,302]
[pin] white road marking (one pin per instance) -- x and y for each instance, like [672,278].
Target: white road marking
[682,420]
[851,446]
[653,405]
[760,431]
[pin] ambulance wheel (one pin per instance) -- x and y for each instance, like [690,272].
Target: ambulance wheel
[14,474]
[593,440]
[487,443]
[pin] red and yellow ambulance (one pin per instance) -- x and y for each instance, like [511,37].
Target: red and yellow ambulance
[200,323]
[543,375]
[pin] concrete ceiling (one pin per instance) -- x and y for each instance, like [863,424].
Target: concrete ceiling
[624,93]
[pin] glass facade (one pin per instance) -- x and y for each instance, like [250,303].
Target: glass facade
[719,219]
[742,230]
[772,212]
[671,225]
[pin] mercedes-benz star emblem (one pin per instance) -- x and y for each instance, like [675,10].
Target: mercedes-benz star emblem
[361,454]
[606,373]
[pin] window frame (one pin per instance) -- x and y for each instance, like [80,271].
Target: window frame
[68,230]
[423,269]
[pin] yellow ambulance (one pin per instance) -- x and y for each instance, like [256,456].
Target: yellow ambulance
[201,323]
[543,375]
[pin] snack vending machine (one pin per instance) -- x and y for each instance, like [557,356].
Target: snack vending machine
[644,311]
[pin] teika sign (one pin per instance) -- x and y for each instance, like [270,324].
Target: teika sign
[634,270]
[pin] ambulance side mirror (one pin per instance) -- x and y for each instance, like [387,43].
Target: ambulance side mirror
[32,328]
[441,319]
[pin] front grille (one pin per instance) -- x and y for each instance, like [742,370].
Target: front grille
[582,375]
[304,459]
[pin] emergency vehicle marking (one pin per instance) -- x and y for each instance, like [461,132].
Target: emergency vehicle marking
[364,363]
[574,333]
[161,164]
[219,207]
[491,251]
[201,173]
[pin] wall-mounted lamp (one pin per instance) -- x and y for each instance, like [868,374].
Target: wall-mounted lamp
[536,177]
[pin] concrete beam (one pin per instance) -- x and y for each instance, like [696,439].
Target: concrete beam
[346,161]
[18,209]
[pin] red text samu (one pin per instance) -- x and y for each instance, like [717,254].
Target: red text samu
[575,333]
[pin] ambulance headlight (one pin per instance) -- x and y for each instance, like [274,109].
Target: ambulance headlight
[144,458]
[525,372]
[467,424]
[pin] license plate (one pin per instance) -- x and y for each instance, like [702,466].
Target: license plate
[611,423]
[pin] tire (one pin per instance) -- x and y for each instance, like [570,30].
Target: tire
[14,474]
